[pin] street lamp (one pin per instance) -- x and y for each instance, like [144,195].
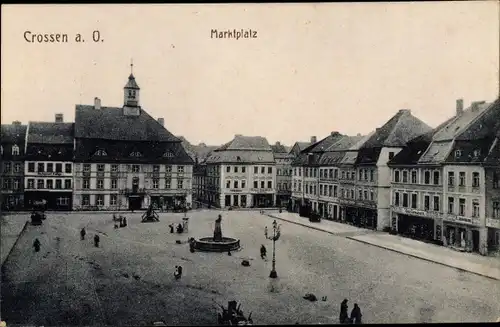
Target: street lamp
[274,238]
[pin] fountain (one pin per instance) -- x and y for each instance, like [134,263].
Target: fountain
[217,243]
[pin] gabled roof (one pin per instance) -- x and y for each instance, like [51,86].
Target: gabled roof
[311,155]
[50,133]
[246,143]
[493,157]
[12,133]
[302,145]
[397,131]
[487,123]
[279,148]
[132,84]
[109,123]
[345,143]
[241,157]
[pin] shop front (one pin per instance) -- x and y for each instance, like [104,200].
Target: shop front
[367,218]
[417,227]
[262,200]
[13,201]
[462,233]
[62,201]
[493,226]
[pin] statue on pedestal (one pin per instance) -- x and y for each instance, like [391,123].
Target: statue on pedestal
[218,230]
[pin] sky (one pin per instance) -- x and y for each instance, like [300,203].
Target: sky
[311,70]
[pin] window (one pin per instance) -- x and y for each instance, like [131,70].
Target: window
[136,154]
[100,183]
[414,201]
[168,184]
[365,195]
[269,170]
[391,155]
[156,183]
[427,177]
[461,177]
[113,199]
[101,153]
[85,199]
[228,184]
[168,154]
[396,199]
[496,209]
[235,183]
[6,167]
[255,170]
[228,169]
[62,201]
[336,174]
[114,183]
[477,153]
[41,167]
[58,184]
[366,175]
[180,184]
[262,170]
[114,168]
[17,167]
[436,203]
[451,178]
[335,190]
[50,184]
[100,167]
[67,183]
[6,184]
[86,168]
[31,167]
[168,169]
[86,183]
[405,176]
[136,168]
[352,194]
[405,200]
[156,168]
[235,169]
[294,171]
[50,167]
[15,150]
[243,169]
[461,207]
[67,168]
[269,184]
[243,184]
[436,178]
[495,180]
[372,195]
[396,176]
[414,177]
[360,195]
[475,179]
[15,184]
[451,205]
[353,175]
[262,184]
[31,183]
[360,175]
[458,154]
[343,174]
[99,199]
[58,167]
[40,184]
[255,184]
[427,202]
[475,208]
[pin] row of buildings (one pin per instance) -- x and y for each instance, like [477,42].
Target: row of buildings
[110,158]
[435,184]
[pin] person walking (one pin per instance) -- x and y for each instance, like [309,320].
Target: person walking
[263,252]
[356,314]
[36,245]
[344,315]
[82,233]
[96,240]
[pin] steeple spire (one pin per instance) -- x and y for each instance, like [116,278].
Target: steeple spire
[131,66]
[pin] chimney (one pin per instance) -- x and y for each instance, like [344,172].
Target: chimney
[405,110]
[313,139]
[59,118]
[16,123]
[334,133]
[359,134]
[460,106]
[278,143]
[161,121]
[97,103]
[475,105]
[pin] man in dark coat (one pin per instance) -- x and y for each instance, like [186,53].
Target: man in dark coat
[96,240]
[344,315]
[356,314]
[263,252]
[36,245]
[82,233]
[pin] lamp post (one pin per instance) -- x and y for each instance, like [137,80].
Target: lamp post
[274,238]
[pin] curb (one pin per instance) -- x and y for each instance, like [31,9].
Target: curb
[422,258]
[15,243]
[388,248]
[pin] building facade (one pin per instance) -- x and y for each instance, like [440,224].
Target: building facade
[125,159]
[241,173]
[440,181]
[283,160]
[48,169]
[13,138]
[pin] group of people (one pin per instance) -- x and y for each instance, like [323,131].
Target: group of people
[120,221]
[180,228]
[178,272]
[354,318]
[97,239]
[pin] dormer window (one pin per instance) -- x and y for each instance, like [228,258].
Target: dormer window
[101,153]
[136,154]
[477,153]
[15,150]
[168,154]
[458,153]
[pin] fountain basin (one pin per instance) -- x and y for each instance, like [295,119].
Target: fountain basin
[207,244]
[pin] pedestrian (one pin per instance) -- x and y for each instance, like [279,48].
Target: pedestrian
[36,245]
[344,315]
[124,222]
[263,252]
[229,252]
[82,233]
[178,272]
[356,314]
[171,228]
[96,240]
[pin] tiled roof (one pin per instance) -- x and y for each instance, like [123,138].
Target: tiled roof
[486,124]
[349,158]
[246,143]
[302,145]
[412,152]
[109,123]
[345,143]
[312,154]
[200,151]
[397,131]
[281,155]
[49,152]
[236,156]
[279,148]
[493,158]
[15,134]
[331,158]
[368,156]
[50,133]
[132,84]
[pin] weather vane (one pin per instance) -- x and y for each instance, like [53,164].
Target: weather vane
[131,66]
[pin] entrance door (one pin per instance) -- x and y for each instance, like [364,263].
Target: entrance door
[134,203]
[243,200]
[235,200]
[227,201]
[475,240]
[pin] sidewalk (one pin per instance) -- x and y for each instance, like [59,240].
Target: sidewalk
[474,263]
[11,229]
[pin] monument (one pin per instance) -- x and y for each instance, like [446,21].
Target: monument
[217,243]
